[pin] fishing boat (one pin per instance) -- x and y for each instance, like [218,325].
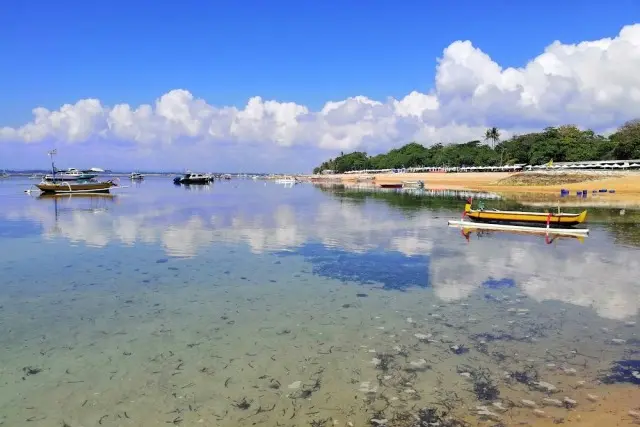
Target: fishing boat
[136,176]
[64,187]
[521,217]
[193,178]
[53,185]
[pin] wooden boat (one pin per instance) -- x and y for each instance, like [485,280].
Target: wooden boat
[399,185]
[69,188]
[533,218]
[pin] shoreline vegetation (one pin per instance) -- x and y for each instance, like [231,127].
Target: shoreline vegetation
[553,144]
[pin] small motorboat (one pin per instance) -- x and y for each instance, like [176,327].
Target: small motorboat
[193,178]
[136,176]
[398,185]
[521,217]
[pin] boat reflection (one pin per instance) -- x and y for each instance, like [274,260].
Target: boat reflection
[549,238]
[93,203]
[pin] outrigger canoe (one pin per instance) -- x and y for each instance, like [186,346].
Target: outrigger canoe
[519,217]
[69,188]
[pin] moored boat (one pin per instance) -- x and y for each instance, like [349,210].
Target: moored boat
[286,180]
[71,174]
[136,176]
[398,185]
[76,187]
[50,184]
[193,178]
[521,217]
[413,184]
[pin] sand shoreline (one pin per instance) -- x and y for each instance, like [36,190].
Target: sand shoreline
[626,184]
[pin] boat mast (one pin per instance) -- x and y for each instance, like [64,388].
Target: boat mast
[53,168]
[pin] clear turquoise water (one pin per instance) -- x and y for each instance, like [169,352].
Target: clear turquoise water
[166,304]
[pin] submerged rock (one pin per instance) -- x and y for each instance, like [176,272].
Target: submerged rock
[623,371]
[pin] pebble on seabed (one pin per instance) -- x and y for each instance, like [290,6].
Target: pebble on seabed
[528,403]
[483,411]
[552,402]
[634,414]
[539,413]
[618,341]
[499,406]
[592,397]
[545,386]
[569,402]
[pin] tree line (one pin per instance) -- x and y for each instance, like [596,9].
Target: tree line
[561,144]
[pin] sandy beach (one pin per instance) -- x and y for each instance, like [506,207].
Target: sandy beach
[625,184]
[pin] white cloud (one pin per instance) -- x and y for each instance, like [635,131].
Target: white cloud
[593,84]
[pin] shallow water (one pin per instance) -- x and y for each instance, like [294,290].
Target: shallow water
[246,302]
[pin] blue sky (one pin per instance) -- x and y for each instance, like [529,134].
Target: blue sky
[303,52]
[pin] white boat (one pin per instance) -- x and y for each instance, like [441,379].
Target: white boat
[4,174]
[136,176]
[71,174]
[287,179]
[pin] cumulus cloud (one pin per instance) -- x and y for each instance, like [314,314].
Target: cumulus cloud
[592,84]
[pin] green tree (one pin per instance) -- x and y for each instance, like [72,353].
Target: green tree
[492,135]
[627,140]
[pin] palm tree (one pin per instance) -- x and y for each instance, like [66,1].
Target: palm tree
[492,134]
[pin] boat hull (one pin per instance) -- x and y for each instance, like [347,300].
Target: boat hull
[390,185]
[528,218]
[66,188]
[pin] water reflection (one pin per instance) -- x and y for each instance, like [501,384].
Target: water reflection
[385,307]
[345,233]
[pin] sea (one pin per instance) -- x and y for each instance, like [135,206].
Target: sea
[247,302]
